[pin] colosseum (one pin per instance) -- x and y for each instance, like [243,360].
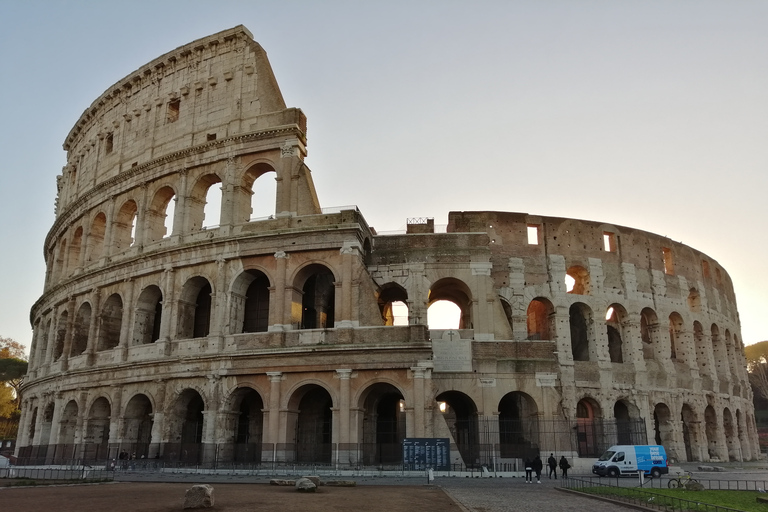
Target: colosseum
[200,306]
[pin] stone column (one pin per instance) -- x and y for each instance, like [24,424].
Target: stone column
[93,328]
[219,306]
[180,227]
[345,449]
[126,326]
[270,451]
[169,311]
[158,421]
[281,296]
[141,220]
[116,421]
[68,335]
[418,376]
[348,253]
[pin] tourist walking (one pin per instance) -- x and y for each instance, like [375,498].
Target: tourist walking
[564,466]
[552,463]
[537,466]
[528,471]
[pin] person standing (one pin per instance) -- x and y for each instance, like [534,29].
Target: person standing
[537,466]
[564,466]
[552,463]
[528,471]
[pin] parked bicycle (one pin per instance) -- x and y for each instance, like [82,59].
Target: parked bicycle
[682,481]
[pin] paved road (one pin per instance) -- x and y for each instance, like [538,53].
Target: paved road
[513,494]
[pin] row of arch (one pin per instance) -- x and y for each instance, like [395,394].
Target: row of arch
[162,209]
[187,424]
[718,354]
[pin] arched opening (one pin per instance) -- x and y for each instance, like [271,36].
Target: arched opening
[460,415]
[663,428]
[628,429]
[455,291]
[61,334]
[588,428]
[443,314]
[149,313]
[124,226]
[65,450]
[111,322]
[582,345]
[137,426]
[383,425]
[577,280]
[649,333]
[96,441]
[710,429]
[195,309]
[261,181]
[313,420]
[81,328]
[252,290]
[393,304]
[96,237]
[518,426]
[615,321]
[205,203]
[186,427]
[540,317]
[159,216]
[317,296]
[248,405]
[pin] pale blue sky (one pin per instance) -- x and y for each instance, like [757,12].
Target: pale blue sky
[646,114]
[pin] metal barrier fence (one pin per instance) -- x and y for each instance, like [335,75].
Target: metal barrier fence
[646,496]
[70,473]
[492,442]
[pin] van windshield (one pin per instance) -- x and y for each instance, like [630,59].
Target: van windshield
[607,455]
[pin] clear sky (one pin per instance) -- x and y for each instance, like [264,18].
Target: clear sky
[642,113]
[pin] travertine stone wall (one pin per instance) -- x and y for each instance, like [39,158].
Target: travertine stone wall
[272,338]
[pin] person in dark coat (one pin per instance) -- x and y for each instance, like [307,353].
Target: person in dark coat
[552,463]
[528,471]
[537,466]
[564,466]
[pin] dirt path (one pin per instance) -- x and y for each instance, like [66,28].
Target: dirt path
[164,497]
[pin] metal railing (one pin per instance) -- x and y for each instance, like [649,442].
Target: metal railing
[646,496]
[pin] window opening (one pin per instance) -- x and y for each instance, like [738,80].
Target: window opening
[212,210]
[443,314]
[173,111]
[609,242]
[705,268]
[533,235]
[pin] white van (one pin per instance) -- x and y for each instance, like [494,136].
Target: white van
[632,459]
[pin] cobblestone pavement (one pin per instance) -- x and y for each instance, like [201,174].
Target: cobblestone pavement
[513,494]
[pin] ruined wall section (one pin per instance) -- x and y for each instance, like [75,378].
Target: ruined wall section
[213,88]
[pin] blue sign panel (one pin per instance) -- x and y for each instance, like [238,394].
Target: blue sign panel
[420,453]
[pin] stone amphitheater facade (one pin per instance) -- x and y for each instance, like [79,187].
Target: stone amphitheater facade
[275,338]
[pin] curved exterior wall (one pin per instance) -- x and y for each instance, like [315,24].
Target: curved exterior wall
[272,338]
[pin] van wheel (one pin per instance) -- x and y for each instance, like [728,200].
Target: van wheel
[613,472]
[655,472]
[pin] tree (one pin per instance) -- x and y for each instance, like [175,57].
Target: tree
[12,372]
[757,366]
[10,348]
[7,402]
[13,367]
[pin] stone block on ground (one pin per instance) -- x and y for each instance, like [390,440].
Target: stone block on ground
[315,479]
[305,485]
[280,481]
[199,496]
